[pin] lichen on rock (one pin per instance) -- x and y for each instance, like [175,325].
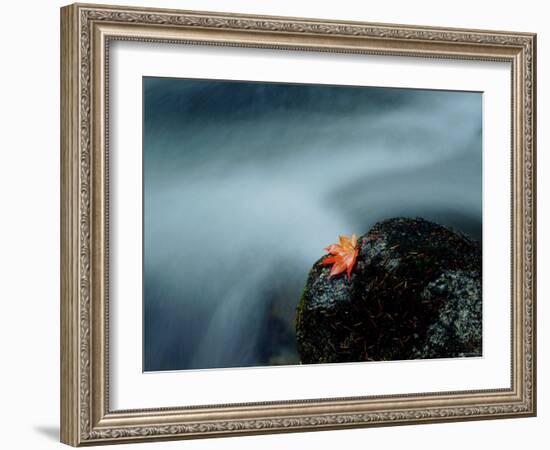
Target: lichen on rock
[414,293]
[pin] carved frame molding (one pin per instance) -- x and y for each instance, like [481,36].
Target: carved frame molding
[86,31]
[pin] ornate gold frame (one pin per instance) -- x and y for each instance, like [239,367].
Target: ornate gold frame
[86,31]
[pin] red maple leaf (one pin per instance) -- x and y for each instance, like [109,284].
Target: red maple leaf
[342,256]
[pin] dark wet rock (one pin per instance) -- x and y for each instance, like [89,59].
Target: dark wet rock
[414,293]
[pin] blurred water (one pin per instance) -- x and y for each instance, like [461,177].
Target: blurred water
[245,183]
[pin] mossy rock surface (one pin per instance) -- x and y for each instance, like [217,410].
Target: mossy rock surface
[414,293]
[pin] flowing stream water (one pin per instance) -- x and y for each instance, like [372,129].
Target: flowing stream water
[246,183]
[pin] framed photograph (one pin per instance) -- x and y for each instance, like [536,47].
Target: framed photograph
[273,224]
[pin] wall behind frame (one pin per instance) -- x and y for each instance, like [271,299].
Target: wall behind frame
[29,229]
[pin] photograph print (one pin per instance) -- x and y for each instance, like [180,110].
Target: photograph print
[288,224]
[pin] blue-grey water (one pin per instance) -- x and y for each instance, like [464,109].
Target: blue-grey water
[245,183]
